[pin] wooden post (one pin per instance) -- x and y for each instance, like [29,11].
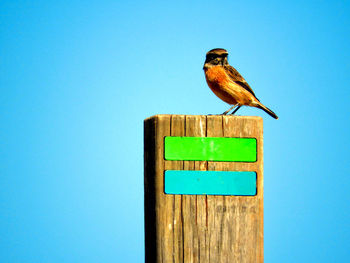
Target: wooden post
[192,212]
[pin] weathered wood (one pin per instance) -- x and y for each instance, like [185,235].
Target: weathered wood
[201,228]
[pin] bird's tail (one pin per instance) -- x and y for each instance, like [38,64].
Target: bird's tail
[267,110]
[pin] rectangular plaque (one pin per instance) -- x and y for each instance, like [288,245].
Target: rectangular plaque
[209,182]
[210,149]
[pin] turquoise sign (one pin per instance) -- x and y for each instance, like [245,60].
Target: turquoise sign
[210,182]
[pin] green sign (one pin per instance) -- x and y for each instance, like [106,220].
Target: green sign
[210,149]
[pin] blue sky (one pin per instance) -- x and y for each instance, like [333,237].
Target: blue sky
[78,78]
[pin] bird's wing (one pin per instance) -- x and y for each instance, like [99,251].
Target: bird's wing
[236,77]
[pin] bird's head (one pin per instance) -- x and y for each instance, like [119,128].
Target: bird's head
[215,57]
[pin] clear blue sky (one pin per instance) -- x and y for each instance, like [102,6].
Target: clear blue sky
[77,78]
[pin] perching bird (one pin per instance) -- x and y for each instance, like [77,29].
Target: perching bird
[225,81]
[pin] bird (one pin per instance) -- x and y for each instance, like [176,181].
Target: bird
[227,84]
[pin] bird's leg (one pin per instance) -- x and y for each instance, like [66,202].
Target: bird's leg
[229,109]
[236,110]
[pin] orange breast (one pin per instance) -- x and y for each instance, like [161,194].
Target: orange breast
[218,82]
[216,75]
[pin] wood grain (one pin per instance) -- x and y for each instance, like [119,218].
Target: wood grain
[200,228]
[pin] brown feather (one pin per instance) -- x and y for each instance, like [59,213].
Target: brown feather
[236,77]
